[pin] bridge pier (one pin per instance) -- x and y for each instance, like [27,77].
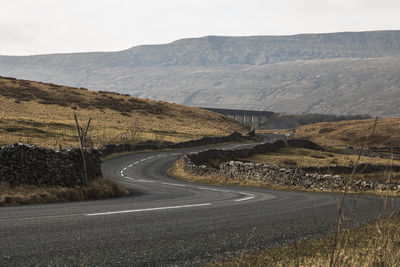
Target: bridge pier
[240,115]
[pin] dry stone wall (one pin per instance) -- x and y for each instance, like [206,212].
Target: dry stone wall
[151,145]
[318,178]
[27,164]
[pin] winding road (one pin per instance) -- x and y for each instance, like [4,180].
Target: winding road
[166,222]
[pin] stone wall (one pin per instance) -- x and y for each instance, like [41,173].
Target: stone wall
[227,155]
[378,152]
[152,145]
[318,178]
[27,164]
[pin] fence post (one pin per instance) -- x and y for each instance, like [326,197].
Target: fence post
[81,146]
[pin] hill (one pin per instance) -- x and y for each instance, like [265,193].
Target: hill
[290,121]
[337,73]
[43,114]
[352,133]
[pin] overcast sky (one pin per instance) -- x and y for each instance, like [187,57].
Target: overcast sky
[58,26]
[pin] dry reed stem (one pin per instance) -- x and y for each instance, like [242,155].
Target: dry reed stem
[340,209]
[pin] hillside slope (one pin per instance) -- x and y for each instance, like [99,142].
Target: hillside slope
[340,73]
[353,133]
[43,114]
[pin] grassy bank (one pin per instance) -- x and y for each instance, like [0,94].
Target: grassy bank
[374,244]
[30,194]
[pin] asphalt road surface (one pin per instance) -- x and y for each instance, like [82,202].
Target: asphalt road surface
[166,222]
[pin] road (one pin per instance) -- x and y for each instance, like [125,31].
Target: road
[165,222]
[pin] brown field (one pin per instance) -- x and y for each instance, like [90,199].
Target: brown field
[352,133]
[294,156]
[43,114]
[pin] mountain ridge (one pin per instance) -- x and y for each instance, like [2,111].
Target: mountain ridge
[315,71]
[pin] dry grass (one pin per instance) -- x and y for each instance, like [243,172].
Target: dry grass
[308,157]
[30,194]
[374,244]
[43,114]
[352,133]
[274,131]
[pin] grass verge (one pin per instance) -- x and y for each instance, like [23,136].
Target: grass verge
[373,244]
[31,194]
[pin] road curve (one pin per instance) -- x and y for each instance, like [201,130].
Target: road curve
[166,222]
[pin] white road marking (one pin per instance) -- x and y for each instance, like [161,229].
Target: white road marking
[144,181]
[180,185]
[149,209]
[130,165]
[214,189]
[249,196]
[139,180]
[203,188]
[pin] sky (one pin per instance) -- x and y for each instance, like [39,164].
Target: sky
[60,26]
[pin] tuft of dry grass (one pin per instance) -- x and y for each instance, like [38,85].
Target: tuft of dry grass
[43,114]
[352,133]
[100,188]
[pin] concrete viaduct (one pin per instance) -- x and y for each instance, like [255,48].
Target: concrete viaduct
[247,117]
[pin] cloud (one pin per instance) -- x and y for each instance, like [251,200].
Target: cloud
[48,26]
